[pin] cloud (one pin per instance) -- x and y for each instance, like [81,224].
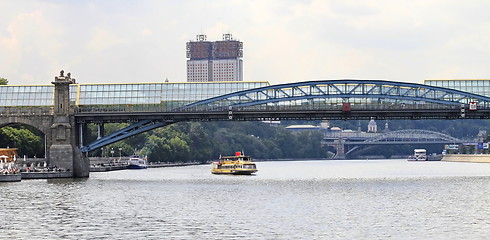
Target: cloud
[146,32]
[102,39]
[284,40]
[30,47]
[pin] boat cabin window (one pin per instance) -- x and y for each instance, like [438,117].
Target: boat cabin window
[249,166]
[420,151]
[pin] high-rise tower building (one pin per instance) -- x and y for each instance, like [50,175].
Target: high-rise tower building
[217,61]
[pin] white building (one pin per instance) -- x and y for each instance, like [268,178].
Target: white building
[198,70]
[372,126]
[218,61]
[227,70]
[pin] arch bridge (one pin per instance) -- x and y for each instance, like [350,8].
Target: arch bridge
[63,110]
[408,136]
[326,99]
[346,99]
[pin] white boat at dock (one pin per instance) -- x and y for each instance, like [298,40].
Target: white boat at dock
[137,162]
[421,155]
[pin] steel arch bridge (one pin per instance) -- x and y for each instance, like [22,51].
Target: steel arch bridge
[413,136]
[409,136]
[324,99]
[320,94]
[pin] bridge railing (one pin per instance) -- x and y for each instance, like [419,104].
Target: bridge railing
[25,111]
[262,107]
[319,106]
[162,107]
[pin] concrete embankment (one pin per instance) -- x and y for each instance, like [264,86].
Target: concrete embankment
[161,165]
[107,168]
[476,158]
[10,178]
[112,167]
[46,175]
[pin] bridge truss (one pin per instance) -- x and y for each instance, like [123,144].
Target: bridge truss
[350,99]
[326,99]
[412,136]
[409,136]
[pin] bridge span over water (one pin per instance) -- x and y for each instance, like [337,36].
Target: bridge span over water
[62,110]
[350,142]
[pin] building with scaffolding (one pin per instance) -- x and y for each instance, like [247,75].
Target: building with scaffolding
[219,61]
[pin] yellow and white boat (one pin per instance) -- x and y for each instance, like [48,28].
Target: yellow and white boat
[238,165]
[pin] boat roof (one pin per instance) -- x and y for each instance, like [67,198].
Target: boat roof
[241,156]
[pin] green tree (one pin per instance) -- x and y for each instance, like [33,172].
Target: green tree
[167,144]
[200,142]
[25,140]
[3,81]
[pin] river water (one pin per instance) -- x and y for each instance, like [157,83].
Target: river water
[361,199]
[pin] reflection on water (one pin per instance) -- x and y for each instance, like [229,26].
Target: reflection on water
[376,199]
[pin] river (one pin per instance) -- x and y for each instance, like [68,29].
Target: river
[354,199]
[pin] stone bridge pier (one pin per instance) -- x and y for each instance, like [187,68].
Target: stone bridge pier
[64,148]
[59,127]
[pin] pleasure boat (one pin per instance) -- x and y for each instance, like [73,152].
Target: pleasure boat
[418,155]
[238,165]
[137,162]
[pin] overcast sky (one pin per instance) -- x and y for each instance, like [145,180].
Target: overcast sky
[284,41]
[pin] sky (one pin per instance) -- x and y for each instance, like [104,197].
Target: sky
[284,41]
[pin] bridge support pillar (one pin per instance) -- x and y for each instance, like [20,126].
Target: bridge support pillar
[340,149]
[100,130]
[64,151]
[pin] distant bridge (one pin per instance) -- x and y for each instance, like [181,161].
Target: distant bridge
[400,137]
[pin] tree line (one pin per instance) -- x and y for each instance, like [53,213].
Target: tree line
[204,141]
[195,141]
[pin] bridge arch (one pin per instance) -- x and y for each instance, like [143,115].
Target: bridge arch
[34,122]
[36,148]
[322,99]
[414,134]
[408,136]
[325,92]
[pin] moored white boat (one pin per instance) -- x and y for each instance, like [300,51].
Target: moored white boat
[418,155]
[137,162]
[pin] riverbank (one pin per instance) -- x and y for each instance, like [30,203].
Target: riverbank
[123,166]
[475,158]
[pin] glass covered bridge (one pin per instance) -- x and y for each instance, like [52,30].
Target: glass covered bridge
[343,99]
[151,105]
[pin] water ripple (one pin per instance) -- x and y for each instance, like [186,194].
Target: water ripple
[321,200]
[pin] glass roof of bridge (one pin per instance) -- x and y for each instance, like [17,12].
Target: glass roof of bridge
[124,94]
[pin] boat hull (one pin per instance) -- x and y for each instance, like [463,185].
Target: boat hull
[235,172]
[136,167]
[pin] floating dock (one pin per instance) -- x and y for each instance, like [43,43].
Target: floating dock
[475,158]
[10,178]
[46,175]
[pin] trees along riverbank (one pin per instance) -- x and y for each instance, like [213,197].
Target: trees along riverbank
[203,141]
[194,141]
